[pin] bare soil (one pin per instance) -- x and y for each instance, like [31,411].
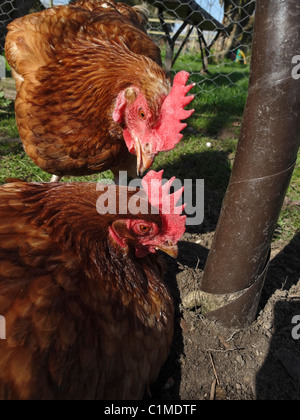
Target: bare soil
[208,361]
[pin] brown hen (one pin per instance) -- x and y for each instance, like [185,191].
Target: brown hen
[87,313]
[91,93]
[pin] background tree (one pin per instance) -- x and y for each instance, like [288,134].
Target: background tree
[238,20]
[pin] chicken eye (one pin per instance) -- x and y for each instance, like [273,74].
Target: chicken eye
[141,229]
[142,114]
[144,228]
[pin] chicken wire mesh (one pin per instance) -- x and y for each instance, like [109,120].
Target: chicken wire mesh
[209,38]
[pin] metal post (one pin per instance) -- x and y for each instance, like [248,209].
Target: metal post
[267,151]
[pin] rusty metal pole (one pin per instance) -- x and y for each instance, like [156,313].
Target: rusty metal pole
[267,151]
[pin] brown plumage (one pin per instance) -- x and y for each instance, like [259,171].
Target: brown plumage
[86,318]
[85,73]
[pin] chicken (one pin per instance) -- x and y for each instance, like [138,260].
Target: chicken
[91,93]
[87,313]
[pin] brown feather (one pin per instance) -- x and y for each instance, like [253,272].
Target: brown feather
[85,319]
[70,63]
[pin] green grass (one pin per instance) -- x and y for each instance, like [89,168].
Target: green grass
[14,163]
[7,118]
[219,104]
[289,220]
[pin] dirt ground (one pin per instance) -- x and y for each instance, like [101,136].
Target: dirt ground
[208,361]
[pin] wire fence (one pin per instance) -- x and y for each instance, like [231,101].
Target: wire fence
[209,38]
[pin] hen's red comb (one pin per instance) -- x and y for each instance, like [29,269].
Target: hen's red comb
[159,197]
[173,112]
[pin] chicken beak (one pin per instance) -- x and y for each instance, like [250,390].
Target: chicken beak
[171,250]
[144,159]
